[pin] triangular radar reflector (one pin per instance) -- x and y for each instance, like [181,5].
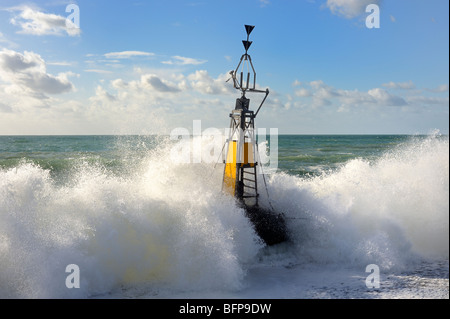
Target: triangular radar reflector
[249,28]
[247,44]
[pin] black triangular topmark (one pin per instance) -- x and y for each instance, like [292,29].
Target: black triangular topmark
[247,44]
[249,28]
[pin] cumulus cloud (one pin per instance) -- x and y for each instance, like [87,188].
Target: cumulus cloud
[400,85]
[302,92]
[36,22]
[204,83]
[158,84]
[101,95]
[427,101]
[26,73]
[175,96]
[200,82]
[322,94]
[440,89]
[349,9]
[317,84]
[163,96]
[382,97]
[152,102]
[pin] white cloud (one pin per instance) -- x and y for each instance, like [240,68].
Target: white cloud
[98,71]
[158,84]
[302,92]
[198,82]
[180,60]
[156,101]
[16,99]
[349,9]
[5,108]
[326,92]
[382,97]
[440,89]
[27,83]
[317,84]
[317,94]
[28,71]
[352,98]
[400,85]
[203,83]
[36,22]
[102,95]
[427,101]
[159,102]
[127,54]
[322,94]
[150,103]
[60,63]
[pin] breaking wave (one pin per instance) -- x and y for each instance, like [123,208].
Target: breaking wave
[163,224]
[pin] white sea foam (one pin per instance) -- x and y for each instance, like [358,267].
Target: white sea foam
[164,224]
[385,212]
[167,224]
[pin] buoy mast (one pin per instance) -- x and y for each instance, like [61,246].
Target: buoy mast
[240,173]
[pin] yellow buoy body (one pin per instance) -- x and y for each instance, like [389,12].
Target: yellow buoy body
[229,177]
[232,165]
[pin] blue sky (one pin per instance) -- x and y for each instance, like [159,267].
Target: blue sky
[138,67]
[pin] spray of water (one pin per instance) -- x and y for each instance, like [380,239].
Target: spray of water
[386,212]
[164,224]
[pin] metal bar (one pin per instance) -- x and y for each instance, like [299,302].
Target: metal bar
[258,91]
[254,72]
[235,73]
[265,97]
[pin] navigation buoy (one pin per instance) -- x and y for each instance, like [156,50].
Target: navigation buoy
[240,172]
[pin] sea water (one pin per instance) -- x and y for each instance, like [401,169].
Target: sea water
[139,223]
